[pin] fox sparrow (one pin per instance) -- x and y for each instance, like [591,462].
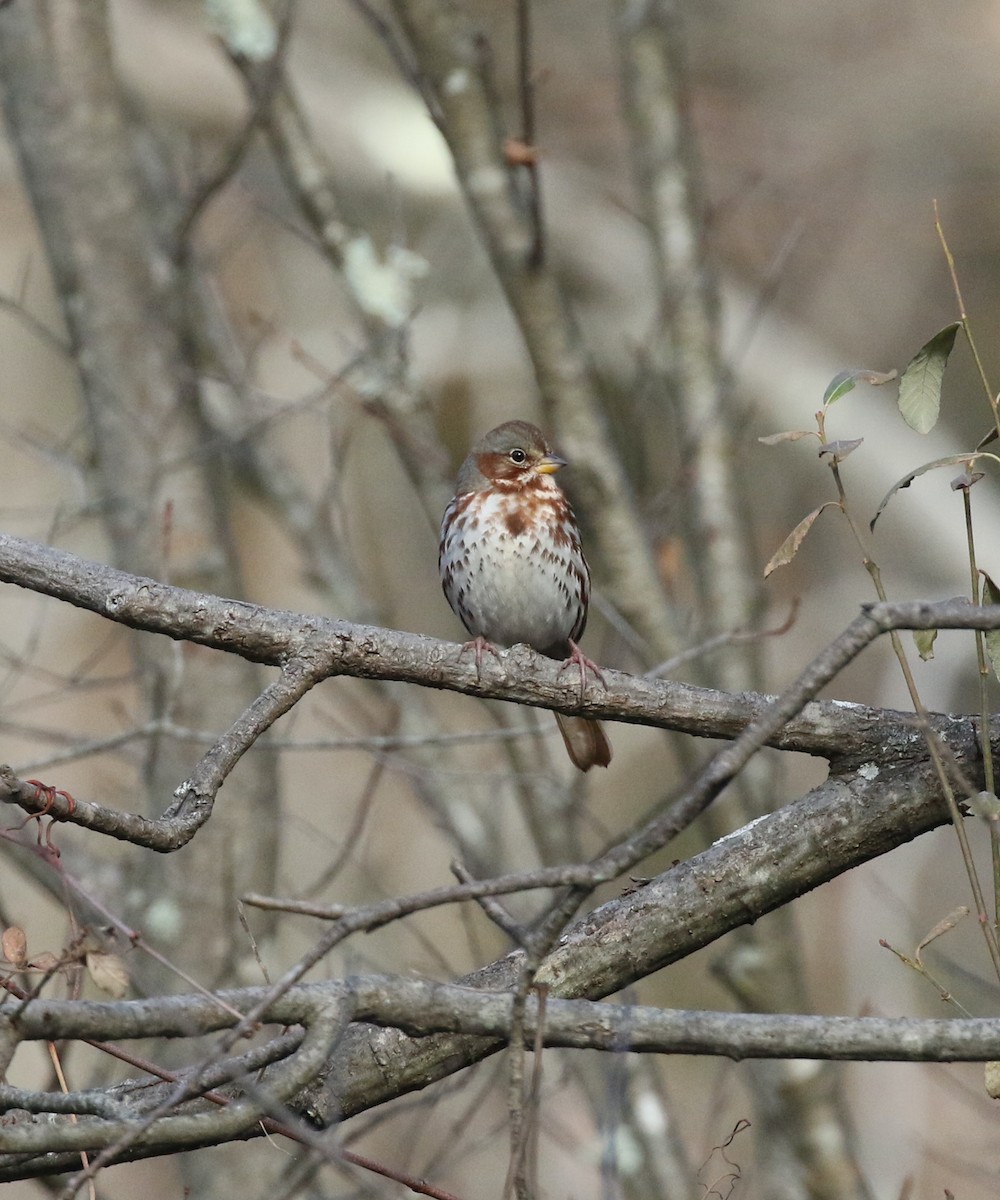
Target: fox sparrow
[512,566]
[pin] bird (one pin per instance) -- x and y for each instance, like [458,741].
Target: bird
[512,565]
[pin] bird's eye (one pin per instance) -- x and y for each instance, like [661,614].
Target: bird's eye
[518,456]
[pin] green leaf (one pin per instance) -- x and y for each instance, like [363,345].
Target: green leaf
[790,546]
[951,461]
[845,381]
[839,450]
[924,640]
[991,595]
[920,386]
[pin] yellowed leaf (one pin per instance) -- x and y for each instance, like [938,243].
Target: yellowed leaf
[924,640]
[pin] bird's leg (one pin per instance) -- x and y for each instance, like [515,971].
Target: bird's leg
[578,658]
[481,647]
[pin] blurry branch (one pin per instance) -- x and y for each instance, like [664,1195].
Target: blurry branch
[665,1170]
[800,1121]
[64,112]
[260,467]
[527,144]
[379,286]
[106,234]
[668,173]
[276,45]
[720,641]
[77,748]
[451,60]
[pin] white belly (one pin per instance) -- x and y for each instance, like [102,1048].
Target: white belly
[513,588]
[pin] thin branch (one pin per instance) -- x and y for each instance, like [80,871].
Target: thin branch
[265,84]
[526,88]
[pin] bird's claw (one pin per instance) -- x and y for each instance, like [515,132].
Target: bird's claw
[481,646]
[579,659]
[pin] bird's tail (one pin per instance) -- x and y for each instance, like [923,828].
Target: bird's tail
[586,742]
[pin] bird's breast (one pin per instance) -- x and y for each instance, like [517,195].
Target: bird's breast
[513,570]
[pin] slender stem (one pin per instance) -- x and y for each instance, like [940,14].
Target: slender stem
[526,84]
[964,316]
[984,703]
[980,655]
[871,566]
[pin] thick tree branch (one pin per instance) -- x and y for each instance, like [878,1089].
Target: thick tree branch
[744,875]
[335,647]
[311,648]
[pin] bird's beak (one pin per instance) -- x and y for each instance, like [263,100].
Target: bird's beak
[549,464]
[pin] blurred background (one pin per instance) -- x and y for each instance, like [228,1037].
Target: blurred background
[824,135]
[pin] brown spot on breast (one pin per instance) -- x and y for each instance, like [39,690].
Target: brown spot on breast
[515,520]
[559,532]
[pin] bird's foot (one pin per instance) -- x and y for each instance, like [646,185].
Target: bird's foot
[585,664]
[481,646]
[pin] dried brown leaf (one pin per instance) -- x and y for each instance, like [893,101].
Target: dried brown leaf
[45,962]
[991,595]
[109,973]
[14,944]
[790,546]
[789,435]
[943,926]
